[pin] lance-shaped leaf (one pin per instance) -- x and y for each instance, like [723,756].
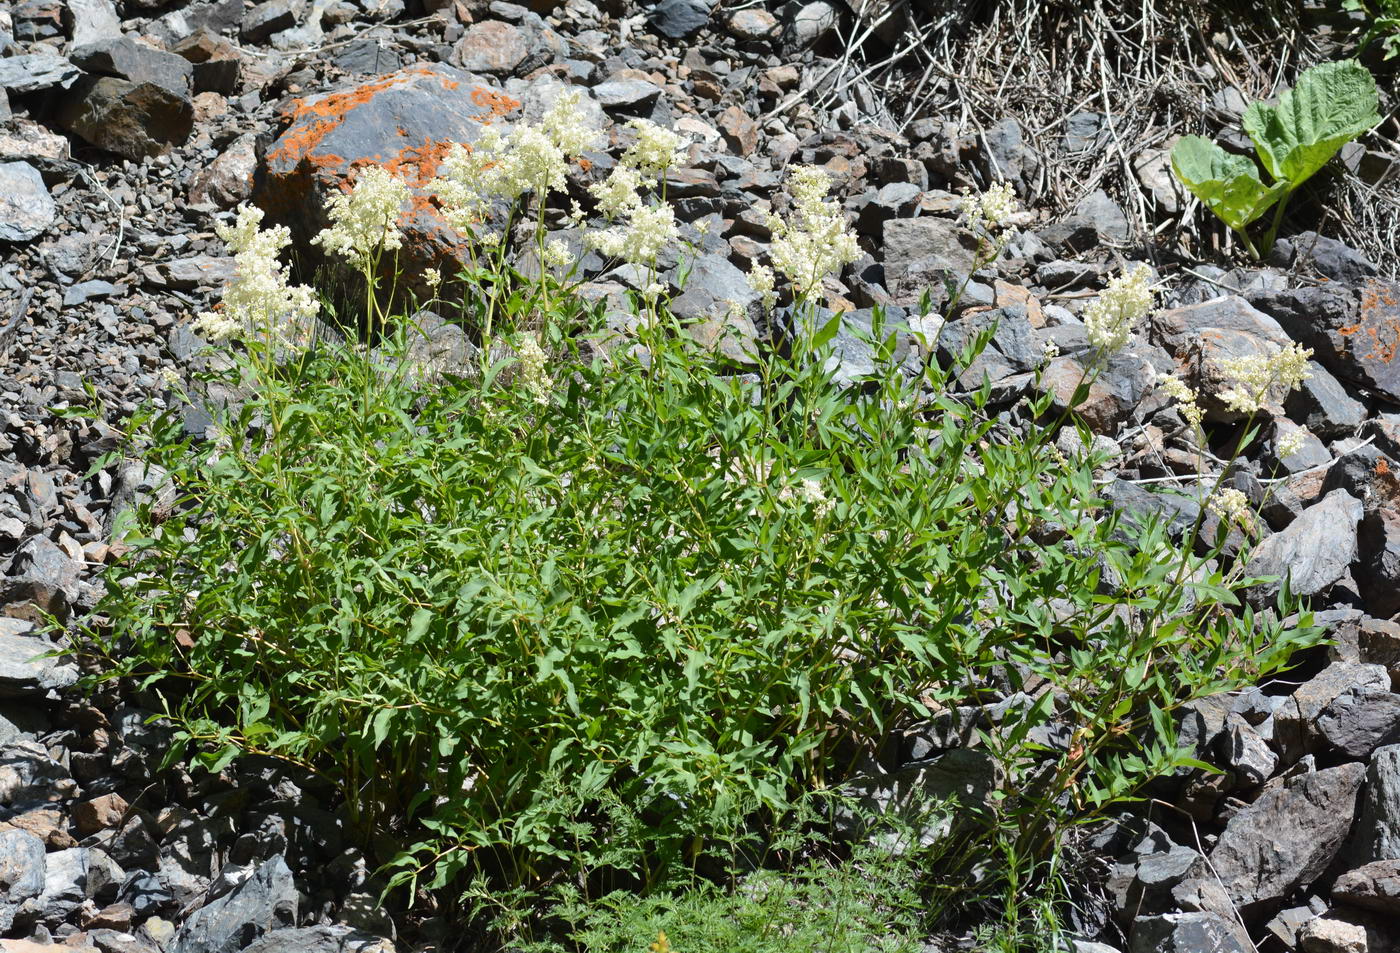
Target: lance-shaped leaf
[1228,184]
[1332,104]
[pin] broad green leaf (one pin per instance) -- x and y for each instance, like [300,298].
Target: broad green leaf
[1228,184]
[1332,104]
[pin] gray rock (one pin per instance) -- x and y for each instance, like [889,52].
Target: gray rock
[65,883]
[1357,722]
[1378,570]
[895,200]
[1136,503]
[1143,884]
[1286,838]
[1377,835]
[1328,257]
[944,796]
[1310,453]
[626,94]
[28,776]
[1295,720]
[87,290]
[679,19]
[24,671]
[23,868]
[921,252]
[267,901]
[227,180]
[1246,751]
[1375,886]
[1313,552]
[1354,332]
[1008,157]
[32,72]
[1184,933]
[26,208]
[1126,385]
[40,578]
[853,353]
[127,59]
[1323,405]
[134,120]
[320,939]
[91,20]
[1287,923]
[809,25]
[268,18]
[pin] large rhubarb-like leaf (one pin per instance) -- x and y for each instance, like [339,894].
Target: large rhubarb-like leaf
[1228,184]
[1332,104]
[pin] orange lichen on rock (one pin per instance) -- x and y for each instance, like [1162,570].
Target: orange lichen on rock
[497,103]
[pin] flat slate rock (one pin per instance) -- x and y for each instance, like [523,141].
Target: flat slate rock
[265,902]
[26,208]
[32,72]
[1374,886]
[24,671]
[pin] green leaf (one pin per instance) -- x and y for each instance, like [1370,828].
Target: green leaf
[1332,104]
[1229,185]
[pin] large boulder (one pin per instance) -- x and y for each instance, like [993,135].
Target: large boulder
[132,119]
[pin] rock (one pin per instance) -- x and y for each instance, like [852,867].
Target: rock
[1355,333]
[963,779]
[739,130]
[90,20]
[1286,837]
[228,180]
[626,94]
[1323,406]
[1295,720]
[679,19]
[320,939]
[41,578]
[33,72]
[1184,933]
[99,814]
[1245,750]
[1340,931]
[1377,835]
[1153,168]
[1203,337]
[1378,570]
[265,902]
[215,62]
[133,120]
[65,883]
[1328,257]
[1128,381]
[1313,552]
[406,121]
[1008,157]
[1356,723]
[491,46]
[25,669]
[127,59]
[23,871]
[29,776]
[895,200]
[753,24]
[265,19]
[26,208]
[1375,886]
[922,252]
[853,355]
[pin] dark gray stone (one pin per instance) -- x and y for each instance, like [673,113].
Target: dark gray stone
[127,59]
[1295,720]
[1246,751]
[268,18]
[23,869]
[1357,722]
[1323,406]
[626,94]
[267,901]
[1326,256]
[1184,933]
[65,883]
[947,795]
[1377,835]
[133,120]
[1008,157]
[679,19]
[28,777]
[921,253]
[895,200]
[321,939]
[40,578]
[26,208]
[1378,569]
[1286,837]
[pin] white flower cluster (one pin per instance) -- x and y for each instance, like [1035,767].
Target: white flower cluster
[1232,506]
[365,219]
[1290,443]
[815,241]
[534,367]
[655,150]
[990,210]
[1110,320]
[649,229]
[258,297]
[528,158]
[1185,398]
[809,492]
[761,281]
[1256,377]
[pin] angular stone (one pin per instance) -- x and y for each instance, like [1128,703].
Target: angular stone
[962,779]
[1347,931]
[265,902]
[1203,337]
[1295,721]
[227,180]
[268,18]
[1184,933]
[491,46]
[1375,886]
[1323,406]
[1377,834]
[99,814]
[1378,570]
[215,62]
[1286,838]
[41,578]
[127,59]
[921,252]
[321,939]
[1354,333]
[625,93]
[134,120]
[32,72]
[28,776]
[1129,381]
[1313,552]
[26,208]
[1326,256]
[65,883]
[22,868]
[1356,723]
[1247,752]
[753,24]
[679,19]
[91,20]
[405,121]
